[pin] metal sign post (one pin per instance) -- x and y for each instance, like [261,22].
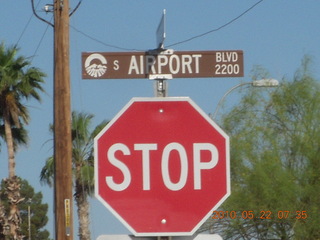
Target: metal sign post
[161,85]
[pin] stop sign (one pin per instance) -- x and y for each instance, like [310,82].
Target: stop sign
[162,166]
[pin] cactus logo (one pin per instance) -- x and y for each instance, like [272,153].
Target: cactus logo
[96,65]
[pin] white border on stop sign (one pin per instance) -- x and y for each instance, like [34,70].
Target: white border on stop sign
[207,118]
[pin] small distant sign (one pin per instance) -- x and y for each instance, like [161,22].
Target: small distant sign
[161,31]
[180,64]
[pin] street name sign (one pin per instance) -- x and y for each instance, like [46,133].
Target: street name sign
[178,64]
[162,166]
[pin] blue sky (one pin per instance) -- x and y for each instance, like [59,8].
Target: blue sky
[275,34]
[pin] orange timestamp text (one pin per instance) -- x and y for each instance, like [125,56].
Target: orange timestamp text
[282,214]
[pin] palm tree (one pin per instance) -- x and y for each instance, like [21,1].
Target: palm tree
[18,82]
[83,169]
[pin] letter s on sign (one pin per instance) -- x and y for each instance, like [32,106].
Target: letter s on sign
[116,65]
[120,165]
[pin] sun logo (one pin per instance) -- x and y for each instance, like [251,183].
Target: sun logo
[95,65]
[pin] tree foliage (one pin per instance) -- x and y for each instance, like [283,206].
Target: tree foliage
[19,82]
[82,166]
[275,162]
[38,212]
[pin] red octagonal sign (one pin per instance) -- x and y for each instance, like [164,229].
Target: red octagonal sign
[162,166]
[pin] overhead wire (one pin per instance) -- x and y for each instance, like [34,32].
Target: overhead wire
[45,31]
[25,29]
[218,28]
[174,44]
[26,26]
[101,42]
[41,39]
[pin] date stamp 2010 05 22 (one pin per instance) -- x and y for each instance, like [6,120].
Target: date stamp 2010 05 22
[260,215]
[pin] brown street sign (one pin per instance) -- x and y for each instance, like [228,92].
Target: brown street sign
[180,64]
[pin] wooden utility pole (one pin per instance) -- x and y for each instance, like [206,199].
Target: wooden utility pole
[62,124]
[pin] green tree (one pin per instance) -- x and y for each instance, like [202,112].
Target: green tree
[275,146]
[83,171]
[38,212]
[18,82]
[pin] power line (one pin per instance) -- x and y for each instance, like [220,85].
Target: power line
[174,44]
[219,28]
[101,42]
[42,37]
[25,28]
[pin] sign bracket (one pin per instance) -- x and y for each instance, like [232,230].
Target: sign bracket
[160,51]
[161,85]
